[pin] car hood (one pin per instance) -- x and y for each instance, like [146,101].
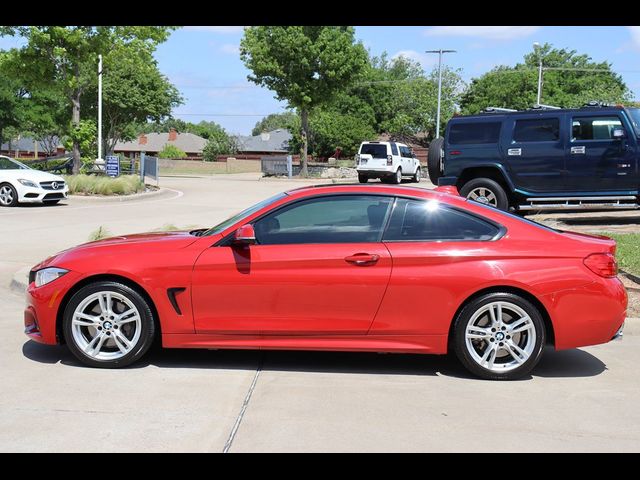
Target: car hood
[34,175]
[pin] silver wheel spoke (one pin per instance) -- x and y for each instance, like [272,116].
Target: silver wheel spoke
[478,332]
[93,347]
[121,341]
[135,318]
[520,325]
[85,320]
[516,352]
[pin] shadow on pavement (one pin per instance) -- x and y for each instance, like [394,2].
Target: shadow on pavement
[568,363]
[600,220]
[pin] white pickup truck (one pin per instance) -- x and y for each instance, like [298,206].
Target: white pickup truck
[388,161]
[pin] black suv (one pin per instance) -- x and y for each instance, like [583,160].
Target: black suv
[545,158]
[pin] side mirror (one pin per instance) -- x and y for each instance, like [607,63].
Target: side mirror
[618,134]
[245,235]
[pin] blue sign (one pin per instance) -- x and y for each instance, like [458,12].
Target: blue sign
[112,165]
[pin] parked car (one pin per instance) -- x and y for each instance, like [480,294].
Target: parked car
[543,159]
[388,161]
[21,184]
[311,269]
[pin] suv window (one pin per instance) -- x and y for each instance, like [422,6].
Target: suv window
[376,150]
[415,220]
[332,219]
[594,128]
[537,130]
[474,133]
[394,149]
[405,152]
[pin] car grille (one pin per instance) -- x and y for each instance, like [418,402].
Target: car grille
[54,185]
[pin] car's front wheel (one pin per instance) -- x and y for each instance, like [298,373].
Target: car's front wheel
[362,178]
[108,324]
[499,336]
[8,195]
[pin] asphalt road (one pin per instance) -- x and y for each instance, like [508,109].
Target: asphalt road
[183,400]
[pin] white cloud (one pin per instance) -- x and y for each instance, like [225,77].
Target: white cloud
[425,59]
[220,29]
[635,35]
[230,48]
[490,33]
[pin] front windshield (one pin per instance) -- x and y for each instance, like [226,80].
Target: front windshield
[7,163]
[244,213]
[634,113]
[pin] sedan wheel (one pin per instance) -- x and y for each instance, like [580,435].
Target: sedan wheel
[108,324]
[499,336]
[8,195]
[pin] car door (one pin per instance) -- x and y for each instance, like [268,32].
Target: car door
[437,253]
[534,148]
[595,160]
[319,267]
[407,160]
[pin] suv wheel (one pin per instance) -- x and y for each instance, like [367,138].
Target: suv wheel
[486,191]
[435,160]
[397,177]
[362,178]
[417,176]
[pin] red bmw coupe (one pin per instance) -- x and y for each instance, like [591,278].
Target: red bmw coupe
[340,267]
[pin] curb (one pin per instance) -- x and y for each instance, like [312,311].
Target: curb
[161,192]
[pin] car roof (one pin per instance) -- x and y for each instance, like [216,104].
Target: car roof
[374,189]
[383,143]
[499,115]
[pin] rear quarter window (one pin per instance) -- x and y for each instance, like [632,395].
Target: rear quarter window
[469,133]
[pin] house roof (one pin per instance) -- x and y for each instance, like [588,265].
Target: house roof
[25,144]
[273,141]
[187,142]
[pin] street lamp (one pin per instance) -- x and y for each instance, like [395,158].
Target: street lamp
[536,48]
[439,52]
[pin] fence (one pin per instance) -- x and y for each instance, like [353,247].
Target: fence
[149,168]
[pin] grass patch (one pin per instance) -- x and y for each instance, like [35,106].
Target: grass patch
[628,252]
[103,185]
[99,234]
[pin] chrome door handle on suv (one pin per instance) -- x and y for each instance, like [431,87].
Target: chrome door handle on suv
[578,149]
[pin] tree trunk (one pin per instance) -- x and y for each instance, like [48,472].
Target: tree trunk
[304,119]
[75,120]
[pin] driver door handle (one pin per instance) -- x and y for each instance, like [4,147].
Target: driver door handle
[362,259]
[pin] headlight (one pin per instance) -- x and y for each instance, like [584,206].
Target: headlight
[47,275]
[27,183]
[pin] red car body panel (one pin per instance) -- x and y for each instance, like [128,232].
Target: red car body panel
[309,297]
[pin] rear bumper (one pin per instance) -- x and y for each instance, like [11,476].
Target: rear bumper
[375,171]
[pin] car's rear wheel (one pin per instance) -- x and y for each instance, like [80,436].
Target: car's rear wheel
[435,160]
[499,336]
[8,195]
[108,325]
[417,176]
[362,178]
[396,178]
[486,191]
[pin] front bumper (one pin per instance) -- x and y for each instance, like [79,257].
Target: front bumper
[41,195]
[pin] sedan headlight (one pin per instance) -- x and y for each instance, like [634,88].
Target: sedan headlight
[48,275]
[27,183]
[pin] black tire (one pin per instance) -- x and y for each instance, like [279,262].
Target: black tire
[461,348]
[418,175]
[10,190]
[147,324]
[497,196]
[435,160]
[396,178]
[362,178]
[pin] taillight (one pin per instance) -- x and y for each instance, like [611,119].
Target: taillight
[389,160]
[357,159]
[603,264]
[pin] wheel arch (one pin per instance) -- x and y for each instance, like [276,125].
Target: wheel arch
[548,324]
[106,277]
[494,172]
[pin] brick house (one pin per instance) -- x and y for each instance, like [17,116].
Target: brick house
[27,147]
[152,143]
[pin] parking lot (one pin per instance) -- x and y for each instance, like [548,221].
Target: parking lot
[177,400]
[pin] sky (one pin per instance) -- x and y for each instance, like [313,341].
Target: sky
[204,62]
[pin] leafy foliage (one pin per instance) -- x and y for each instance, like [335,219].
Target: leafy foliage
[219,144]
[274,121]
[516,87]
[171,151]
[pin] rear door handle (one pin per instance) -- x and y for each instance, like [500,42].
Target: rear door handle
[362,259]
[578,150]
[514,152]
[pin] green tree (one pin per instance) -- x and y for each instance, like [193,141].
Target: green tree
[11,98]
[274,121]
[304,65]
[171,151]
[45,117]
[219,143]
[133,92]
[568,86]
[67,57]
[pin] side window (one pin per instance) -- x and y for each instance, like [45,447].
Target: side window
[335,219]
[415,220]
[405,152]
[594,128]
[394,149]
[474,133]
[537,130]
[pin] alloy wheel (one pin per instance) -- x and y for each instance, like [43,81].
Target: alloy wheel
[483,195]
[6,195]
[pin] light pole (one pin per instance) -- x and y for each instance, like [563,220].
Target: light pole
[99,107]
[536,47]
[439,52]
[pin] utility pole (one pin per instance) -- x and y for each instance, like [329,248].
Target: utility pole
[439,52]
[99,107]
[536,47]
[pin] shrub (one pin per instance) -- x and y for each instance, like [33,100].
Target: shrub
[103,185]
[171,151]
[99,234]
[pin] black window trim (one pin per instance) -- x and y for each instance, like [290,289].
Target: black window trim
[502,230]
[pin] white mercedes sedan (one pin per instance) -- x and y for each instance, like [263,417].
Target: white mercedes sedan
[21,184]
